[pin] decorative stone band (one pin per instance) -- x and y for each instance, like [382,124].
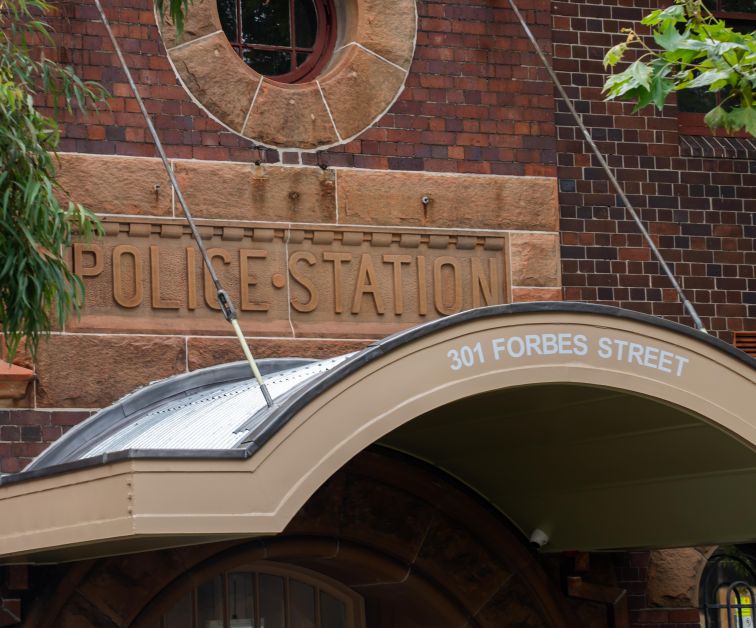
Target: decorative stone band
[305,280]
[366,73]
[242,191]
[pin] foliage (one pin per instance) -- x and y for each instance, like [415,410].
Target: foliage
[695,50]
[176,10]
[36,285]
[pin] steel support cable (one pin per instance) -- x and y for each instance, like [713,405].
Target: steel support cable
[615,184]
[227,306]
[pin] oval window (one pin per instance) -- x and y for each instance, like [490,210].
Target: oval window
[286,40]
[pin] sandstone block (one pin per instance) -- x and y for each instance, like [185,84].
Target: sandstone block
[94,371]
[115,185]
[204,352]
[495,202]
[359,89]
[535,259]
[293,116]
[217,77]
[388,32]
[522,295]
[673,577]
[201,20]
[249,192]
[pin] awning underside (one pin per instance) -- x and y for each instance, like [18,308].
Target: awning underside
[594,468]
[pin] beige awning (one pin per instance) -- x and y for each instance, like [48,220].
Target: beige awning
[605,429]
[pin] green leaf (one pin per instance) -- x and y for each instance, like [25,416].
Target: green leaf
[618,85]
[641,73]
[660,89]
[742,118]
[643,97]
[716,118]
[614,55]
[710,46]
[705,79]
[674,13]
[669,37]
[684,57]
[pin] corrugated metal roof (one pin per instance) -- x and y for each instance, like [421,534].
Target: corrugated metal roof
[192,414]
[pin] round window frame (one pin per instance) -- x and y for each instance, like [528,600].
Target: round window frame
[356,87]
[325,42]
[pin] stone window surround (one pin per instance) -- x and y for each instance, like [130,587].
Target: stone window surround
[364,77]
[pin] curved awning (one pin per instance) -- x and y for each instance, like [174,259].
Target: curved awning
[605,428]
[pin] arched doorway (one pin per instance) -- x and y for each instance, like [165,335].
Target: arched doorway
[414,545]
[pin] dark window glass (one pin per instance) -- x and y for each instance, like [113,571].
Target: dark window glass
[268,62]
[332,612]
[181,615]
[266,22]
[302,605]
[227,13]
[742,26]
[286,39]
[696,100]
[210,604]
[738,6]
[272,602]
[306,24]
[731,6]
[241,599]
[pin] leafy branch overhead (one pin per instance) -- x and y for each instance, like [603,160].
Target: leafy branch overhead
[695,50]
[36,285]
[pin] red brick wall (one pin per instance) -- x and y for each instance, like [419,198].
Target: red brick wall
[24,434]
[475,100]
[699,208]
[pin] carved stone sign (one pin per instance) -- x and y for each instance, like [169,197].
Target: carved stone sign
[146,275]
